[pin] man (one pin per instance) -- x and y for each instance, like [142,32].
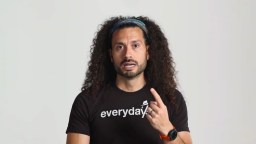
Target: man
[129,94]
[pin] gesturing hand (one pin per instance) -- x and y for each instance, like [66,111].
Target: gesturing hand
[157,114]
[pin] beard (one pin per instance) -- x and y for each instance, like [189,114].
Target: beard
[130,74]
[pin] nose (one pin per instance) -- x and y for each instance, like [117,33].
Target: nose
[128,52]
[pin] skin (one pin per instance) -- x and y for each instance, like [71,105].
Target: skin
[159,119]
[129,55]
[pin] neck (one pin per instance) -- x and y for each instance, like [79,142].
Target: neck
[130,85]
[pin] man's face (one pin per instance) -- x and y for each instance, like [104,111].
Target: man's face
[129,53]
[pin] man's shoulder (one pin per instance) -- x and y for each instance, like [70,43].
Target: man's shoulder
[177,94]
[179,98]
[84,95]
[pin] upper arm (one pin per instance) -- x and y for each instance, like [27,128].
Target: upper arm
[179,114]
[79,117]
[76,138]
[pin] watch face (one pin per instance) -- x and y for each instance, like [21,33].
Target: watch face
[172,134]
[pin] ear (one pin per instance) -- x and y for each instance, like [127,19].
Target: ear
[147,52]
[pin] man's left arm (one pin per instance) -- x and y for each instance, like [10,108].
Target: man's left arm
[157,114]
[183,137]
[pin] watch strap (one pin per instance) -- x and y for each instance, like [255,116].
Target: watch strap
[169,136]
[164,137]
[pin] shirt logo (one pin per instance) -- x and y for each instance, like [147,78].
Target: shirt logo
[124,112]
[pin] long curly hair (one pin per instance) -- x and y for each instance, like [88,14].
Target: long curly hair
[159,73]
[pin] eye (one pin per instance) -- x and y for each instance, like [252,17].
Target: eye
[136,45]
[119,47]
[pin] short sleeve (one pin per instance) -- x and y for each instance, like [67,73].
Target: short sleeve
[79,117]
[179,117]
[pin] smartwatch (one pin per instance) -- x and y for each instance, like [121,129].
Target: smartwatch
[172,134]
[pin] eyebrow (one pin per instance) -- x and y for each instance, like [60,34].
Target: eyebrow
[134,41]
[118,43]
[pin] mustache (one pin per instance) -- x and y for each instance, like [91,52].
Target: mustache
[129,60]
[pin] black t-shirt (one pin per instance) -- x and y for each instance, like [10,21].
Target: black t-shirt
[118,117]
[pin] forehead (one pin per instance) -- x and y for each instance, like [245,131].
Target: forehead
[128,32]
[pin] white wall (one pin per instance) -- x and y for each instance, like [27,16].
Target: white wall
[44,49]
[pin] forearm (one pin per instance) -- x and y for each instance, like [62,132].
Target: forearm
[178,140]
[75,138]
[182,138]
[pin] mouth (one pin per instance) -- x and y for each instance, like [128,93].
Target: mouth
[128,65]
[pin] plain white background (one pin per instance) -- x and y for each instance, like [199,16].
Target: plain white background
[44,50]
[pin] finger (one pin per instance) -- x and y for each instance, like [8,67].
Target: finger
[149,117]
[157,97]
[149,110]
[152,114]
[153,105]
[153,102]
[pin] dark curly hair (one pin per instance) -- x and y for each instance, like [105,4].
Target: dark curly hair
[159,73]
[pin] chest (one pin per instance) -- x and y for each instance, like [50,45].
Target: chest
[122,119]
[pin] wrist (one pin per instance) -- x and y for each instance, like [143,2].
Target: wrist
[172,135]
[167,129]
